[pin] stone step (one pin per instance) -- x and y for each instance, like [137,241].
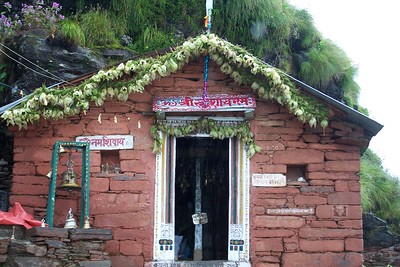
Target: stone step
[196,264]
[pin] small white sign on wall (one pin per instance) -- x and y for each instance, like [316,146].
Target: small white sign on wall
[291,211]
[269,180]
[108,142]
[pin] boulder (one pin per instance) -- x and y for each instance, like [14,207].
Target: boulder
[62,61]
[377,233]
[21,261]
[117,54]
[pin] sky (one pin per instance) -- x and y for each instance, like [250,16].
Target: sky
[368,31]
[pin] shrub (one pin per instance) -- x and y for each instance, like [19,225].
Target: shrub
[71,30]
[380,192]
[36,16]
[98,28]
[153,39]
[8,24]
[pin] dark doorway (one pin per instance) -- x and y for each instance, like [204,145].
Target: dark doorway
[202,163]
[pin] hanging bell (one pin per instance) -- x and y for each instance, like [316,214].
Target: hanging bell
[69,181]
[86,224]
[61,149]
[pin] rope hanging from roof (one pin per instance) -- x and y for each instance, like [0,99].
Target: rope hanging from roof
[207,24]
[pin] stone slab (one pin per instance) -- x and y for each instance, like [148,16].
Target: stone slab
[105,263]
[90,234]
[47,232]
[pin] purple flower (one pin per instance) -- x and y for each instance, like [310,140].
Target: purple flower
[37,15]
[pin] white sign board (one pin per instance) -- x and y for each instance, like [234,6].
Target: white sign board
[269,180]
[107,142]
[291,211]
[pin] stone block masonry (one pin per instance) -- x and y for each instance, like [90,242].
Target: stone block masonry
[51,247]
[328,233]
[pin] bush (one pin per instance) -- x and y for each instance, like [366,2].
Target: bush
[97,25]
[380,192]
[36,16]
[71,30]
[153,39]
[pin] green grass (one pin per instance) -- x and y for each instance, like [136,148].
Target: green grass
[380,192]
[73,32]
[152,39]
[97,24]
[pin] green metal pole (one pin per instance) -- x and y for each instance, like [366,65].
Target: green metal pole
[85,183]
[52,188]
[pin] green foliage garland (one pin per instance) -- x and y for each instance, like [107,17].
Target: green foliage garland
[216,129]
[235,61]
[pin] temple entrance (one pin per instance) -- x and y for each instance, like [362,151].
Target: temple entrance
[201,199]
[201,204]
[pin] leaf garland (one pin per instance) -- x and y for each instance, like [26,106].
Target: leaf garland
[216,129]
[134,75]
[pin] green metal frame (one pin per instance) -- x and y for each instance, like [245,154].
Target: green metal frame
[84,205]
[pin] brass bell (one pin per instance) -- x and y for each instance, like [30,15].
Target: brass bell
[69,177]
[86,224]
[61,149]
[69,181]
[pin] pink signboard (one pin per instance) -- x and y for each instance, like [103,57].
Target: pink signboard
[212,103]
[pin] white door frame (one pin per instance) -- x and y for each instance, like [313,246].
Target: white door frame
[239,200]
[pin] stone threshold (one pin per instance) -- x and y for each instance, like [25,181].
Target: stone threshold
[198,264]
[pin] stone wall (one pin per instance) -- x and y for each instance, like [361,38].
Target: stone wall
[332,231]
[5,183]
[48,247]
[6,162]
[124,202]
[117,201]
